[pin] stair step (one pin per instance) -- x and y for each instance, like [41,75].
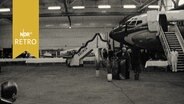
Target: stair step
[167,35]
[170,36]
[175,46]
[171,39]
[180,61]
[169,32]
[178,47]
[174,41]
[181,57]
[181,64]
[180,67]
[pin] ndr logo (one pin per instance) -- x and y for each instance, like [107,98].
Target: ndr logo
[25,34]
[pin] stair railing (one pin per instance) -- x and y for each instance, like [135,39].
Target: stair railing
[179,37]
[164,43]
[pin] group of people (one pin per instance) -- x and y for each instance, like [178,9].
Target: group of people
[126,59]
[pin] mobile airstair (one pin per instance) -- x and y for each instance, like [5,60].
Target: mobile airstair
[172,39]
[94,45]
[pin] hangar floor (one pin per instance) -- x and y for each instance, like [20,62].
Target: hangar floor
[58,84]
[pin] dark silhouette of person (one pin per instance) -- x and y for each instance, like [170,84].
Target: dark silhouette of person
[125,63]
[8,92]
[135,60]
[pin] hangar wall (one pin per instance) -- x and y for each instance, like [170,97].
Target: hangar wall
[54,38]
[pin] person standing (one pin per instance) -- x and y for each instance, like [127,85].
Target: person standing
[174,60]
[135,60]
[126,58]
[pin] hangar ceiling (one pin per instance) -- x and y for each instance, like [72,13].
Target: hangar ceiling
[91,16]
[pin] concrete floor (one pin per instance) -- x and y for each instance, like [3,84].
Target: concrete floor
[62,85]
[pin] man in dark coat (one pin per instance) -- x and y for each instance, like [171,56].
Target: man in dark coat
[135,60]
[125,71]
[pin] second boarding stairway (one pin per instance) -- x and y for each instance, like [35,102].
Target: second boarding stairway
[173,39]
[96,43]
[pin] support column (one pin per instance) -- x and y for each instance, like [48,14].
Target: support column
[97,61]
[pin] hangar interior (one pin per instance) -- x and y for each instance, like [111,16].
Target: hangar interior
[73,26]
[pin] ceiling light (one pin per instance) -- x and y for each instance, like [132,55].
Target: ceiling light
[54,8]
[129,6]
[153,6]
[4,9]
[78,7]
[104,6]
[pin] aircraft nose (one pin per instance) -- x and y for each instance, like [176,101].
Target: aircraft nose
[118,36]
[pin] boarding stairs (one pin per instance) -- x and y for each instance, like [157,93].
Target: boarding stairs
[173,40]
[94,45]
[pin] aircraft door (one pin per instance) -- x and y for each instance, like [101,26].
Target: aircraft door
[163,22]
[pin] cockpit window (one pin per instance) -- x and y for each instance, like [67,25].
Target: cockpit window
[128,22]
[132,23]
[139,22]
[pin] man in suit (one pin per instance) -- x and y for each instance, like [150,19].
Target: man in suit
[8,92]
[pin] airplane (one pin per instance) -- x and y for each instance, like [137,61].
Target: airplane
[135,32]
[68,52]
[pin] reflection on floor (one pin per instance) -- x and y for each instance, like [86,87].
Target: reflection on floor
[58,84]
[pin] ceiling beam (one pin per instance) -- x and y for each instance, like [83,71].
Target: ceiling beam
[146,4]
[137,3]
[81,14]
[89,14]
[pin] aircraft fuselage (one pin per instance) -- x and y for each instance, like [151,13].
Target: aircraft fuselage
[138,36]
